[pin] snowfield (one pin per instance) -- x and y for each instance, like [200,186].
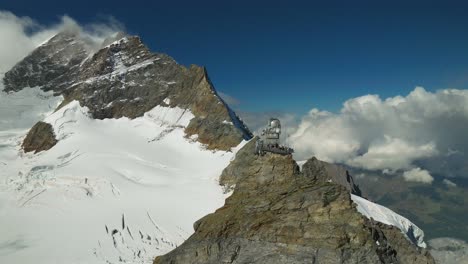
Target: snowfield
[115,190]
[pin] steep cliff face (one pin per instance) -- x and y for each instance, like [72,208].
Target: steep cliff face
[278,214]
[125,79]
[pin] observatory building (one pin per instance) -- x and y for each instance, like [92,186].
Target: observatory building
[269,140]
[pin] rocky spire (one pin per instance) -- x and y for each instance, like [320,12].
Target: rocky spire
[278,214]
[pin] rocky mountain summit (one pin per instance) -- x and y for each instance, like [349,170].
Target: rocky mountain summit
[125,79]
[280,214]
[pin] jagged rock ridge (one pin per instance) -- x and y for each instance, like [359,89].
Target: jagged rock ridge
[278,214]
[125,79]
[327,172]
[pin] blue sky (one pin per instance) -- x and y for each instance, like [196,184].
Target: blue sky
[291,56]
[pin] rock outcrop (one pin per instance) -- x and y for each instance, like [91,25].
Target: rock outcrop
[278,214]
[327,172]
[41,137]
[392,237]
[125,79]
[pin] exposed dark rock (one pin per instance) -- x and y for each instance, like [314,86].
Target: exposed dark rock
[236,169]
[48,62]
[315,169]
[40,137]
[278,214]
[328,172]
[406,252]
[125,79]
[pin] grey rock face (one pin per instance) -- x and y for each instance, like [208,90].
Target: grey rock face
[327,172]
[46,63]
[278,214]
[125,79]
[316,169]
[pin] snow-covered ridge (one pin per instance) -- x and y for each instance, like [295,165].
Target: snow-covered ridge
[384,215]
[118,41]
[120,69]
[110,190]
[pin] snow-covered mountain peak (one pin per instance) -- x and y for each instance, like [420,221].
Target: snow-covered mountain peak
[125,79]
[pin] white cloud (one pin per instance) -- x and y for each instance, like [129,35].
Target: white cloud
[418,175]
[391,135]
[392,154]
[228,99]
[21,35]
[449,183]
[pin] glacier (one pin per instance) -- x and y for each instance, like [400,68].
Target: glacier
[111,190]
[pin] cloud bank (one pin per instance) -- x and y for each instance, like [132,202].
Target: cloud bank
[21,35]
[420,134]
[418,175]
[449,183]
